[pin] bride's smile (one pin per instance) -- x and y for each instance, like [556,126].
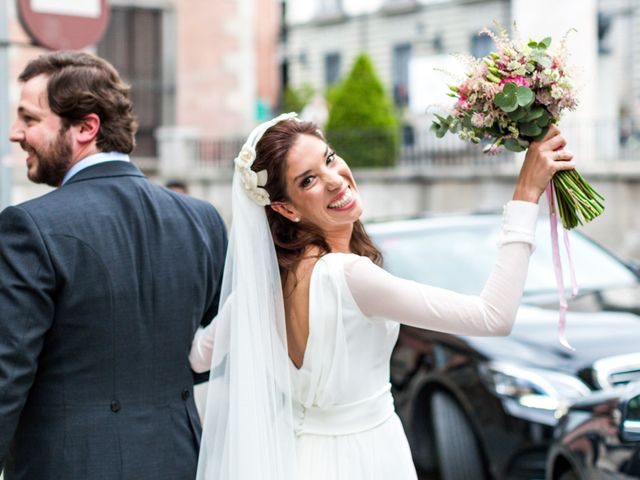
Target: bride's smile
[321,189]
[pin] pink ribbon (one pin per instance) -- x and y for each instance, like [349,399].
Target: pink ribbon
[557,264]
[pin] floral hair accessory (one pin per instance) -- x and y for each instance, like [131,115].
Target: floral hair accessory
[254,182]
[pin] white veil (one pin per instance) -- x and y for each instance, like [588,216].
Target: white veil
[248,427]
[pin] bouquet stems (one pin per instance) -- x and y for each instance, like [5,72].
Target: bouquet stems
[578,202]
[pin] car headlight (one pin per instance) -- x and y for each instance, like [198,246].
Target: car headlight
[544,391]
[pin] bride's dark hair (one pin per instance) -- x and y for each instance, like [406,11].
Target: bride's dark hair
[291,238]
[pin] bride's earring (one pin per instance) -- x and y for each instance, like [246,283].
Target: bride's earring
[297,219]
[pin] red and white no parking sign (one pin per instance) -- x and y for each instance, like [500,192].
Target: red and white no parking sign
[64,24]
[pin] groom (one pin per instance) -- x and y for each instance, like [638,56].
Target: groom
[103,283]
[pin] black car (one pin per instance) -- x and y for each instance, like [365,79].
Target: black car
[480,408]
[598,438]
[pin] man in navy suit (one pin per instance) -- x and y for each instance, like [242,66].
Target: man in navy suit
[103,283]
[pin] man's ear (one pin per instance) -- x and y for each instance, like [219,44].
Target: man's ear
[87,129]
[286,210]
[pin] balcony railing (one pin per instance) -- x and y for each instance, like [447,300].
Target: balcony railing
[597,144]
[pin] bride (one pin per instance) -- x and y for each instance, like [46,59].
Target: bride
[299,353]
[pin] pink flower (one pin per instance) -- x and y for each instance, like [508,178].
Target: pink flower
[463,89]
[519,81]
[462,104]
[492,149]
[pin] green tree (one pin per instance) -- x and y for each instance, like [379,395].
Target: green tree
[294,99]
[362,126]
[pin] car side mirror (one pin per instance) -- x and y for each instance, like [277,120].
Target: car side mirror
[630,424]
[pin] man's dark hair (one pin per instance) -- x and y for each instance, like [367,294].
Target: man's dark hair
[79,84]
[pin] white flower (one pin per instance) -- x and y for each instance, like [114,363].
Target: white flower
[249,178]
[246,157]
[251,181]
[477,120]
[260,196]
[557,92]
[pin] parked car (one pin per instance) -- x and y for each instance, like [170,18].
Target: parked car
[481,407]
[598,438]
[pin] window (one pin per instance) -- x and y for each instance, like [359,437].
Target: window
[401,58]
[329,7]
[481,45]
[133,44]
[331,68]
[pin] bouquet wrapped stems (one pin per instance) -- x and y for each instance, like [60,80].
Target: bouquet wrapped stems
[578,202]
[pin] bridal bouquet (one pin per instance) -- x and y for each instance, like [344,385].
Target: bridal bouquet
[510,98]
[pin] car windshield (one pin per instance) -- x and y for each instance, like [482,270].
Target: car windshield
[460,258]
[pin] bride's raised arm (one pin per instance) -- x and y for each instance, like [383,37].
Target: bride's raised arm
[381,294]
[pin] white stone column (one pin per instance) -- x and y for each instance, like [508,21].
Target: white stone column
[553,18]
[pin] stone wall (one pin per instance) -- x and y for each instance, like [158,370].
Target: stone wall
[400,194]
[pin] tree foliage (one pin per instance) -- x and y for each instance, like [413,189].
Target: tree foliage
[294,99]
[362,126]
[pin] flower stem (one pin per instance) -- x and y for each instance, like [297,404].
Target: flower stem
[578,202]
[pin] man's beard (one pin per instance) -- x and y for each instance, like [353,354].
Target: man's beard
[53,161]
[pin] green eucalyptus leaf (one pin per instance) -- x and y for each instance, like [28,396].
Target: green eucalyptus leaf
[541,135]
[507,102]
[510,108]
[500,99]
[436,130]
[513,145]
[440,130]
[523,143]
[530,129]
[544,119]
[525,96]
[518,114]
[534,114]
[509,88]
[545,43]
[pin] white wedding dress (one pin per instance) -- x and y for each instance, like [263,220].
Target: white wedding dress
[344,419]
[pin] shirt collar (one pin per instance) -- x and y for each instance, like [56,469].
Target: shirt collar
[95,159]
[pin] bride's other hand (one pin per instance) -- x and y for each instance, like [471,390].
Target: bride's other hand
[543,159]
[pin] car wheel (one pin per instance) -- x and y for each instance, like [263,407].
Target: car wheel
[456,447]
[570,475]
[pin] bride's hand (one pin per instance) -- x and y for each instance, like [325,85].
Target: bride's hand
[543,159]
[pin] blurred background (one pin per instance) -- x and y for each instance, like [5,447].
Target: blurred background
[203,73]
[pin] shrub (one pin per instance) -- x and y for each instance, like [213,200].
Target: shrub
[294,99]
[362,126]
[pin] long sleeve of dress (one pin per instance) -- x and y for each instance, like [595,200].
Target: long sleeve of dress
[204,339]
[380,294]
[202,348]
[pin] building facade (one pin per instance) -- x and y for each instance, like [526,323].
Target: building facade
[198,70]
[411,41]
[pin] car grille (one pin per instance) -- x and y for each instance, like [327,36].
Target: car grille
[619,370]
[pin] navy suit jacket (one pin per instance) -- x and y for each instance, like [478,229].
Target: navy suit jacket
[103,283]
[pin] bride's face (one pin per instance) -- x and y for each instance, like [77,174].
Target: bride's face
[320,187]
